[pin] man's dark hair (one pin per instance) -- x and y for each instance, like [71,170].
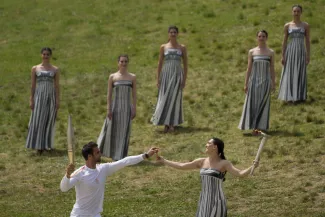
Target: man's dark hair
[88,149]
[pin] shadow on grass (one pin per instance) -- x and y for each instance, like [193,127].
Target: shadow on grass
[50,153]
[309,101]
[283,133]
[56,153]
[182,130]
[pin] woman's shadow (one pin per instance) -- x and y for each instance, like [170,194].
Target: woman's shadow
[281,133]
[51,153]
[182,130]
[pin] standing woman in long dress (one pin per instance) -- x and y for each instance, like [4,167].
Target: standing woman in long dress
[44,103]
[295,58]
[213,169]
[171,79]
[114,138]
[259,82]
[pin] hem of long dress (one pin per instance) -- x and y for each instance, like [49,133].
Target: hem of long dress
[34,148]
[44,149]
[245,128]
[112,157]
[292,100]
[107,156]
[252,128]
[168,124]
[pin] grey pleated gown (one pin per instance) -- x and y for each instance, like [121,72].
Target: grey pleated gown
[212,201]
[42,120]
[256,109]
[293,84]
[169,108]
[114,137]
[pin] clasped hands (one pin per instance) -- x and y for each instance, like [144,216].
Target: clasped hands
[155,151]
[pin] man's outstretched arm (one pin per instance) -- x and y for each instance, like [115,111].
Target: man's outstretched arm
[127,161]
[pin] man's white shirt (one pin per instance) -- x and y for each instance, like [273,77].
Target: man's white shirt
[90,185]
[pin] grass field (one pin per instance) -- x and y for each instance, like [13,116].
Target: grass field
[87,37]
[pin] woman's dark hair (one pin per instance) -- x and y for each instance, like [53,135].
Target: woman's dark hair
[172,27]
[219,143]
[123,55]
[46,49]
[297,6]
[264,31]
[88,149]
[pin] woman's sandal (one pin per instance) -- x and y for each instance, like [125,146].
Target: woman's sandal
[39,152]
[255,132]
[166,129]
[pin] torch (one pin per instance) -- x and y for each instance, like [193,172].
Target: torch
[263,141]
[71,147]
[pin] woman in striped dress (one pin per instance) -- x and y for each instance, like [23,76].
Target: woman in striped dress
[212,201]
[259,82]
[114,138]
[171,80]
[44,103]
[295,58]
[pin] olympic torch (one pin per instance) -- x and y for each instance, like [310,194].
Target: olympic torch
[71,147]
[263,141]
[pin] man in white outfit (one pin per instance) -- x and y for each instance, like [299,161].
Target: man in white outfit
[89,180]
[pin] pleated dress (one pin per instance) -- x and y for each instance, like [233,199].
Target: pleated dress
[41,127]
[169,108]
[114,137]
[256,109]
[293,84]
[212,201]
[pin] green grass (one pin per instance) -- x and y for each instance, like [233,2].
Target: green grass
[89,35]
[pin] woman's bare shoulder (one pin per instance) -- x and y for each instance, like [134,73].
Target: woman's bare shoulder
[132,76]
